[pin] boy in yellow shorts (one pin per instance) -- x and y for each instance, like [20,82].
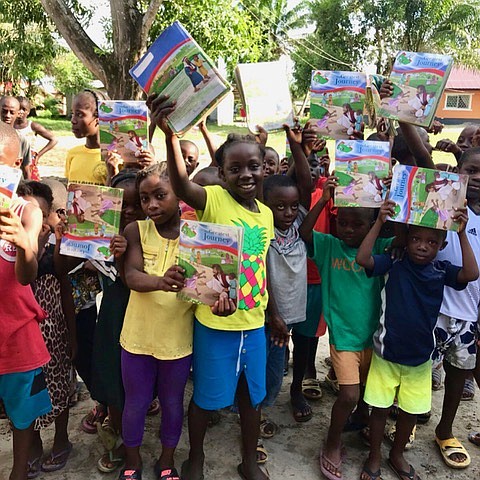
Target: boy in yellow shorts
[404,341]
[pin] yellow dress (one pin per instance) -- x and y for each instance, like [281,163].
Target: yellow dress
[156,323]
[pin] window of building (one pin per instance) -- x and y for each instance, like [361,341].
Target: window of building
[458,102]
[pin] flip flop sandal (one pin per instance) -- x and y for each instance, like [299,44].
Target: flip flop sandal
[53,466]
[311,389]
[88,423]
[168,474]
[302,412]
[390,436]
[401,474]
[468,390]
[34,468]
[326,473]
[371,475]
[154,408]
[262,454]
[332,384]
[450,446]
[267,428]
[110,458]
[474,437]
[130,474]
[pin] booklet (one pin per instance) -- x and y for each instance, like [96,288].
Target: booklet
[361,166]
[337,101]
[265,95]
[177,66]
[427,197]
[93,218]
[9,180]
[210,255]
[123,128]
[418,82]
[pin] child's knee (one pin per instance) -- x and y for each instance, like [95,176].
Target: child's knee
[349,395]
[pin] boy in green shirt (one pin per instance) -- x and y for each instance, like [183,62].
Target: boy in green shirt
[352,308]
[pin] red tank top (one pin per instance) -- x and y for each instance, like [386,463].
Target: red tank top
[321,225]
[21,343]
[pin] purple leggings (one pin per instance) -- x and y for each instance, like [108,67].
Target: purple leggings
[141,375]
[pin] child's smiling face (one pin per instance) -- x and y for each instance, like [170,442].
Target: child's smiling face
[242,171]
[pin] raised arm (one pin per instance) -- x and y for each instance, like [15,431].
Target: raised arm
[47,135]
[191,193]
[416,145]
[136,278]
[364,256]
[23,233]
[469,270]
[306,228]
[207,136]
[302,169]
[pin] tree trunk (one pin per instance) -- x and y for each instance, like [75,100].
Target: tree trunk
[130,34]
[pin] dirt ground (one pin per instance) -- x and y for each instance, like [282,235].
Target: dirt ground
[293,452]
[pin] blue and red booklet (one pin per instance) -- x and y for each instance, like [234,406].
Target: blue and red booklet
[177,66]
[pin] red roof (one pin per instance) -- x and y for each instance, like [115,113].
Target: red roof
[462,78]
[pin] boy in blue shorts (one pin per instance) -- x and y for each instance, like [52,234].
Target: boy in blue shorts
[351,307]
[404,342]
[22,349]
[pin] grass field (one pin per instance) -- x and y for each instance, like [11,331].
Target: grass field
[53,162]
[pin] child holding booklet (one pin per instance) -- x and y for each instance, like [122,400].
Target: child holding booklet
[401,365]
[229,354]
[22,349]
[156,351]
[352,319]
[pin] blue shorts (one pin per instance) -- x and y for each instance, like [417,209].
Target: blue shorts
[219,358]
[25,397]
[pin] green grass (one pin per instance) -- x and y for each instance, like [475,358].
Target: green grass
[62,128]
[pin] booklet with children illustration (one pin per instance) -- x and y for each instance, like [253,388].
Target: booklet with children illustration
[418,82]
[265,95]
[210,255]
[93,218]
[123,128]
[177,66]
[336,103]
[9,180]
[361,166]
[427,197]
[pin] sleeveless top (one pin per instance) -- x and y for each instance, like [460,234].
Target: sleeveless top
[21,343]
[157,323]
[28,133]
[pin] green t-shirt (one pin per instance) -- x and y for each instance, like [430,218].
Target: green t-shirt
[351,301]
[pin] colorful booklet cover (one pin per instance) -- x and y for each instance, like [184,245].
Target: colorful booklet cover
[265,95]
[361,166]
[427,197]
[9,180]
[336,103]
[210,255]
[176,65]
[123,128]
[93,217]
[418,82]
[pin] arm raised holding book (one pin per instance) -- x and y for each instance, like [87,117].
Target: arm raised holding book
[191,193]
[306,228]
